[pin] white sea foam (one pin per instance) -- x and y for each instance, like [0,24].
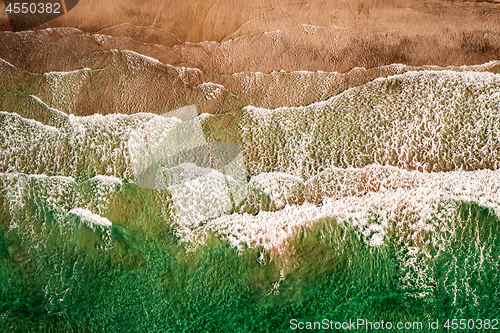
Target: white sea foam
[433,121]
[419,208]
[198,193]
[61,192]
[90,218]
[274,190]
[211,90]
[95,144]
[65,88]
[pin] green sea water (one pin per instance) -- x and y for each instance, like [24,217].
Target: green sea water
[340,223]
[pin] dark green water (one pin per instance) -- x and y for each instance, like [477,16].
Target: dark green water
[60,274]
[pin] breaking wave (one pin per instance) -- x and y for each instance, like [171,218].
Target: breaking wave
[388,188]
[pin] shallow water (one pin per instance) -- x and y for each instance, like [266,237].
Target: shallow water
[380,203]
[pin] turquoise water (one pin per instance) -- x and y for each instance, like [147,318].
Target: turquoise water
[395,221]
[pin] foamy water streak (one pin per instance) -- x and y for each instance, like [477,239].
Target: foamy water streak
[417,205]
[198,193]
[92,195]
[75,146]
[64,88]
[273,191]
[433,121]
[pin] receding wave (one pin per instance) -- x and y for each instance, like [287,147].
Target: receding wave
[428,121]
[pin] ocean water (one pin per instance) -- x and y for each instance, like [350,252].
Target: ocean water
[381,203]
